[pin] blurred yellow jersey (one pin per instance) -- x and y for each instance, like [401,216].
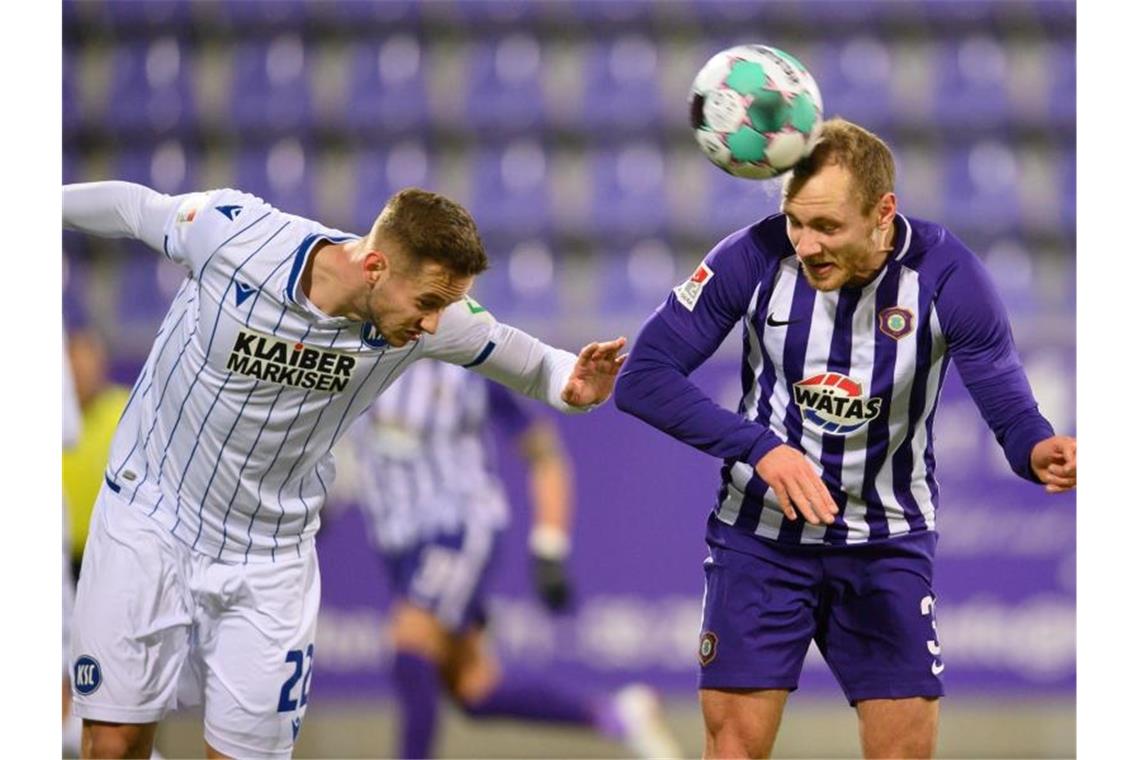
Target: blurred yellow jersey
[83,463]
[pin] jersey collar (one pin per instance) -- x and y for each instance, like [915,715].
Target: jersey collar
[293,293]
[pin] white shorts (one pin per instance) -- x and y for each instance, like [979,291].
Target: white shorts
[159,626]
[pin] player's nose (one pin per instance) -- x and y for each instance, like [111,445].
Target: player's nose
[806,245]
[430,323]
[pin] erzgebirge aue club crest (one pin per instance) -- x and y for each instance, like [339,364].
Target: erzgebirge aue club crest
[897,322]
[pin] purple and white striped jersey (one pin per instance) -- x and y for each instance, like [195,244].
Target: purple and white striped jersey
[425,457]
[227,434]
[851,377]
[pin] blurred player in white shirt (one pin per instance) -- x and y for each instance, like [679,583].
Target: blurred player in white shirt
[200,580]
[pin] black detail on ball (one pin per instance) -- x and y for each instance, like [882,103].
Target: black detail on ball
[697,111]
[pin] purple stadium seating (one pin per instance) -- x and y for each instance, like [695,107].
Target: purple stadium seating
[381,171]
[523,279]
[270,87]
[622,93]
[169,167]
[504,90]
[854,79]
[386,86]
[510,191]
[971,76]
[628,190]
[150,87]
[281,173]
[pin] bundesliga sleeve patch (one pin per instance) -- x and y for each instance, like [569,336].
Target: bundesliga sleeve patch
[188,209]
[689,292]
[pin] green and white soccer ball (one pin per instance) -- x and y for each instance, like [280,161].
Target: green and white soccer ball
[755,110]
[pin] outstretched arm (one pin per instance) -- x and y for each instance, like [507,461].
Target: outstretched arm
[592,379]
[118,209]
[469,336]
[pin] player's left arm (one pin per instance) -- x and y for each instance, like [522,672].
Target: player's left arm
[980,342]
[469,336]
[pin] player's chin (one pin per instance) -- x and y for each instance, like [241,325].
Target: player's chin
[826,283]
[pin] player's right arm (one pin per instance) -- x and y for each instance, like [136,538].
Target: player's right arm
[187,228]
[118,210]
[680,336]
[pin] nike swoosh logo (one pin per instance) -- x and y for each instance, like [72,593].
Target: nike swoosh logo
[777,323]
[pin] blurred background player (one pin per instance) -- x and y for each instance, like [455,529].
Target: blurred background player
[101,403]
[72,427]
[424,467]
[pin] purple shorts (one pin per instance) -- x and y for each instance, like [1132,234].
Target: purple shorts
[447,575]
[869,608]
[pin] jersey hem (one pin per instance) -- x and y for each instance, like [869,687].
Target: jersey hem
[114,714]
[237,749]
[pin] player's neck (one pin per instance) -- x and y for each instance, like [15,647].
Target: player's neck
[325,277]
[876,261]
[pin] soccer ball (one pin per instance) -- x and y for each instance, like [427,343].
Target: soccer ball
[755,110]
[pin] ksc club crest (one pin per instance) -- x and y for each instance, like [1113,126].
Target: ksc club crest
[706,650]
[896,322]
[86,676]
[834,403]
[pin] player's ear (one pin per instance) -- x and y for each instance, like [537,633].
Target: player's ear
[885,211]
[376,263]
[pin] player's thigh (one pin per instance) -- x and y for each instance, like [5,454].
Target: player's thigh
[757,620]
[414,629]
[741,723]
[256,632]
[880,637]
[898,727]
[446,576]
[132,617]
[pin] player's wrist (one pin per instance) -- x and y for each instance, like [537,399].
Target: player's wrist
[548,542]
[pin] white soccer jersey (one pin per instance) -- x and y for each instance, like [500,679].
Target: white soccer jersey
[423,461]
[226,436]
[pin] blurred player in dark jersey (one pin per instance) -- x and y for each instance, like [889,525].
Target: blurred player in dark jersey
[438,528]
[824,524]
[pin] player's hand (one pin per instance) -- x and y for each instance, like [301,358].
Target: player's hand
[552,582]
[1054,462]
[594,374]
[797,485]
